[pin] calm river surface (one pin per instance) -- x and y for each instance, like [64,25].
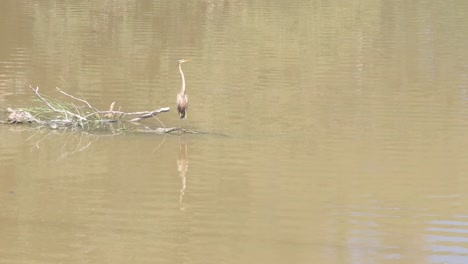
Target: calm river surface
[346,132]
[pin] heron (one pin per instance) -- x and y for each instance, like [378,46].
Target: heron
[182,98]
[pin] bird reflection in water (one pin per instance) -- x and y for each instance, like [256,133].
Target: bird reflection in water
[182,167]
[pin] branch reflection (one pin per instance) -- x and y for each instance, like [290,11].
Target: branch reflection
[71,142]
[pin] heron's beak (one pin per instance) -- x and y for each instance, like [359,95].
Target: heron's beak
[182,61]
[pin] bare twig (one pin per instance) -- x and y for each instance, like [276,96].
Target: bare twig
[148,114]
[145,114]
[78,99]
[36,91]
[111,108]
[66,112]
[160,122]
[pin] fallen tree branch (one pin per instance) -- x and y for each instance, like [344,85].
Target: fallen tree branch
[73,115]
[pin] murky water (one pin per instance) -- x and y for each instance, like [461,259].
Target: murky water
[346,124]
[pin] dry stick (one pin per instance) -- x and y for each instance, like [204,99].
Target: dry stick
[146,114]
[78,99]
[36,91]
[160,122]
[111,108]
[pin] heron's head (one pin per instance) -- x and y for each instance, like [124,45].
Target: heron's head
[184,60]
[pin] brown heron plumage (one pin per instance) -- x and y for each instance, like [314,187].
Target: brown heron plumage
[182,98]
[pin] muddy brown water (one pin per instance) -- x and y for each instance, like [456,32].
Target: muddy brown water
[347,130]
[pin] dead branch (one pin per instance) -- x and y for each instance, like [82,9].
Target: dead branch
[71,115]
[66,112]
[78,99]
[145,114]
[148,114]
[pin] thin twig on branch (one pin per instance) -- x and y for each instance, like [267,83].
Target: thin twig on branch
[78,99]
[66,112]
[145,114]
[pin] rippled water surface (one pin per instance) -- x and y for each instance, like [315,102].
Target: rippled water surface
[335,132]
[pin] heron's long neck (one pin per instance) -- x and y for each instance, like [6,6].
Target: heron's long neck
[183,78]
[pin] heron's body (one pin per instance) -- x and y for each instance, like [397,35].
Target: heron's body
[182,104]
[182,98]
